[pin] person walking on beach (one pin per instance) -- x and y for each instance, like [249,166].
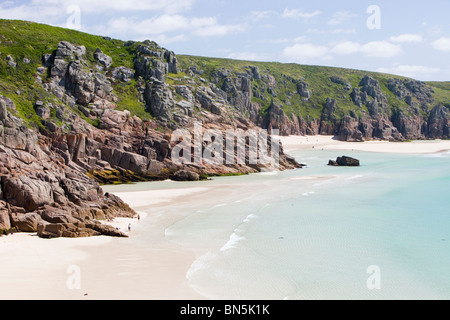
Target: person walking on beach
[129,227]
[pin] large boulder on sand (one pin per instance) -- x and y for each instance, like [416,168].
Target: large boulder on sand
[5,222]
[89,228]
[185,175]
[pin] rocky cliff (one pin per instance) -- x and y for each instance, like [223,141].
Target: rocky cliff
[308,100]
[78,111]
[71,118]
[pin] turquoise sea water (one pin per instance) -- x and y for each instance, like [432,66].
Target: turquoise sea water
[314,233]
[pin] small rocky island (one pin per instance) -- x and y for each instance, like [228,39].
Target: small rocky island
[344,161]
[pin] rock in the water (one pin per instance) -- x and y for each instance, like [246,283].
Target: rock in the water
[333,163]
[344,161]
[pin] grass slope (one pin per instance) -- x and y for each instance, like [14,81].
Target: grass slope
[27,40]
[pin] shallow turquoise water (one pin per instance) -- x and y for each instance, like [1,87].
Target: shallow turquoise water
[313,233]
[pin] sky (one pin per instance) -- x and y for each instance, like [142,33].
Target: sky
[409,38]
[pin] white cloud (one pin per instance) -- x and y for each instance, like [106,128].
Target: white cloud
[346,47]
[340,17]
[296,14]
[166,23]
[412,71]
[305,52]
[442,44]
[55,12]
[381,49]
[407,38]
[158,25]
[376,49]
[51,14]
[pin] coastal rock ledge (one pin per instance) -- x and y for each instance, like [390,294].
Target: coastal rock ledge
[42,192]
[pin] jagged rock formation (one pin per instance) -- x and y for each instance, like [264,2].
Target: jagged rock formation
[50,177]
[91,115]
[398,109]
[39,187]
[372,117]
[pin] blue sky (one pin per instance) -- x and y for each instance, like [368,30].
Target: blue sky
[410,38]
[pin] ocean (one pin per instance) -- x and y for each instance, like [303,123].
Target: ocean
[379,231]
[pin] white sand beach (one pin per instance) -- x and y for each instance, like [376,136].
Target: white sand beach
[330,143]
[34,268]
[111,268]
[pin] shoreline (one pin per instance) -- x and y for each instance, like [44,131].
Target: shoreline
[128,268]
[40,268]
[293,143]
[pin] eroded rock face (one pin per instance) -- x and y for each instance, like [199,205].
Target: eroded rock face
[123,74]
[228,97]
[39,186]
[102,58]
[153,61]
[160,100]
[26,192]
[372,117]
[58,169]
[439,123]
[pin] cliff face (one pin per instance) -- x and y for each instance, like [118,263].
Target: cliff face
[81,120]
[41,191]
[86,110]
[308,100]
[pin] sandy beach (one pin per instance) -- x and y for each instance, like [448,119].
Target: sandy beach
[126,268]
[107,268]
[330,143]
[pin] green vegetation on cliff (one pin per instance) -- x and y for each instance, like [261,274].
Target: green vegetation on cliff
[27,42]
[301,91]
[318,79]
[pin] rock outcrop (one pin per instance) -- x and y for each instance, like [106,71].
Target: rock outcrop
[96,116]
[50,178]
[439,123]
[39,186]
[344,161]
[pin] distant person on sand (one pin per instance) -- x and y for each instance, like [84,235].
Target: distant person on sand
[139,217]
[129,227]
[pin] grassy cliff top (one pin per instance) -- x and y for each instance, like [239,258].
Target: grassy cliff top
[27,42]
[318,79]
